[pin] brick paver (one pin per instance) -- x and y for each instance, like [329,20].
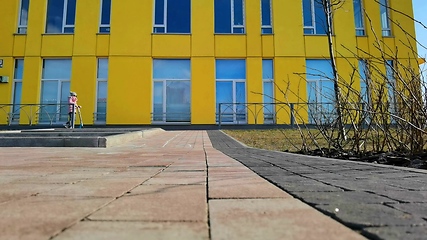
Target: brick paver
[172,185]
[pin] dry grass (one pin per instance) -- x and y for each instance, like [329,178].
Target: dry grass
[275,139]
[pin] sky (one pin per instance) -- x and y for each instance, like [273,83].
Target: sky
[420,14]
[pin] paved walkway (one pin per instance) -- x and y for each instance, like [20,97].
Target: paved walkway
[379,201]
[176,185]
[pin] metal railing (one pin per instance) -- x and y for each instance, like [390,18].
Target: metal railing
[240,113]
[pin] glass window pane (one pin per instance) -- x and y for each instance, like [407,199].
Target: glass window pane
[158,101]
[384,14]
[102,68]
[358,14]
[224,94]
[319,69]
[171,69]
[230,69]
[19,68]
[240,92]
[177,101]
[23,20]
[267,69]
[179,16]
[55,11]
[327,91]
[222,16]
[71,12]
[57,69]
[268,92]
[307,12]
[321,24]
[101,102]
[17,93]
[266,12]
[106,12]
[238,12]
[49,92]
[159,12]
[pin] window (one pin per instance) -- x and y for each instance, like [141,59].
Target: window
[266,27]
[101,92]
[23,16]
[365,92]
[358,18]
[231,91]
[17,90]
[61,15]
[268,89]
[314,17]
[104,25]
[320,91]
[172,16]
[229,16]
[385,18]
[171,94]
[391,86]
[55,89]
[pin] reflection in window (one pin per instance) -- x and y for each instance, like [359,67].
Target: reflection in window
[231,90]
[61,15]
[172,16]
[268,90]
[104,25]
[229,16]
[385,18]
[101,92]
[55,90]
[171,95]
[266,27]
[320,91]
[314,17]
[358,18]
[365,94]
[23,16]
[391,86]
[17,89]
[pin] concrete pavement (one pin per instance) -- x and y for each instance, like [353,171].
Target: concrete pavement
[171,185]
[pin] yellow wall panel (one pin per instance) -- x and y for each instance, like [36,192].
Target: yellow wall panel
[230,45]
[57,45]
[31,87]
[102,44]
[254,88]
[316,46]
[253,27]
[171,45]
[289,87]
[19,45]
[344,30]
[83,82]
[36,27]
[267,46]
[129,90]
[288,33]
[389,47]
[9,13]
[373,25]
[202,28]
[363,47]
[202,90]
[131,27]
[5,88]
[87,22]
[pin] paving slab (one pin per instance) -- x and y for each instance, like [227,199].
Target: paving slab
[272,219]
[380,201]
[95,230]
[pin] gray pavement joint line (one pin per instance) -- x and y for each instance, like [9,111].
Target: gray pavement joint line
[206,138]
[168,141]
[104,205]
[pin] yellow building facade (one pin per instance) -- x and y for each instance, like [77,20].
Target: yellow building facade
[142,62]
